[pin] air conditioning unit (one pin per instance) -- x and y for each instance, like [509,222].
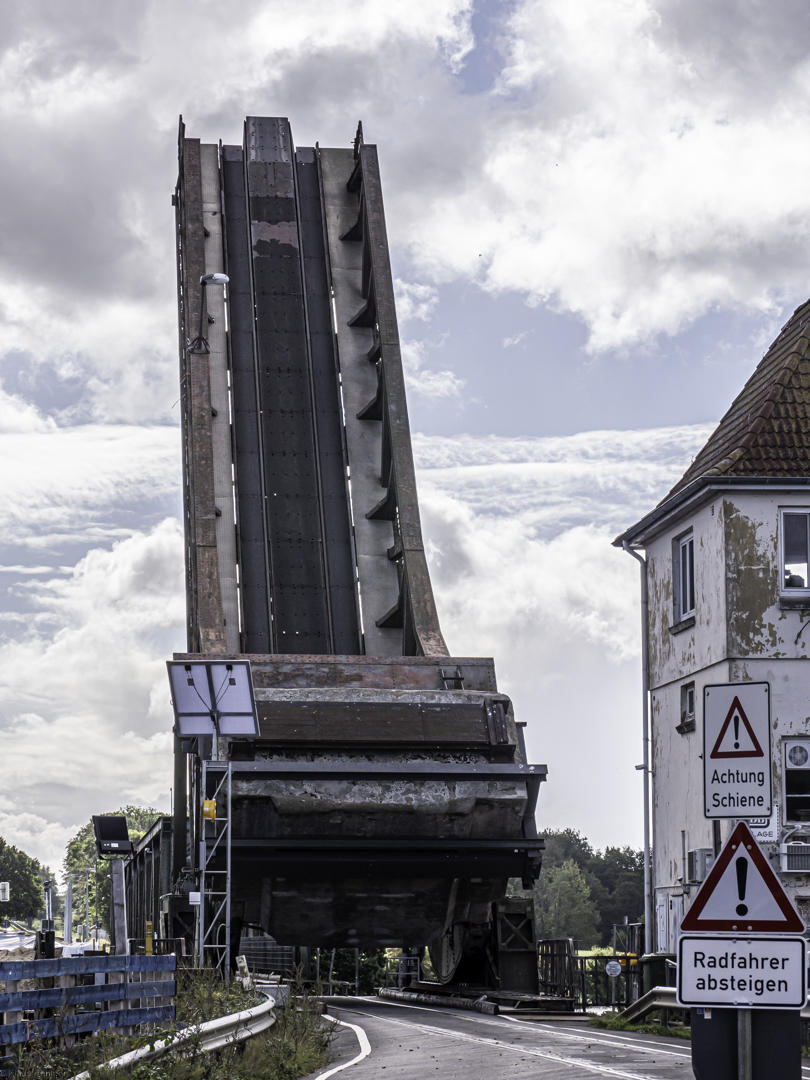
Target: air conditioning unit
[794,857]
[797,753]
[699,862]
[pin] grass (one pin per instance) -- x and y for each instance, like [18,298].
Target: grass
[294,1046]
[613,1022]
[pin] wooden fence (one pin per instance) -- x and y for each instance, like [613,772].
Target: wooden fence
[80,994]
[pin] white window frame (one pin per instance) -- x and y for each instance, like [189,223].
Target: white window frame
[686,543]
[783,589]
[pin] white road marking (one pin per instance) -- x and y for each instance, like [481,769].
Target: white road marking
[616,1040]
[604,1070]
[643,1046]
[362,1038]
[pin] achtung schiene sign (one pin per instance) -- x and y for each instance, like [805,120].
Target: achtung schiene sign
[737,780]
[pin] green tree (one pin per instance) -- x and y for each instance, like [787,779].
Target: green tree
[22,874]
[620,872]
[563,906]
[615,877]
[81,855]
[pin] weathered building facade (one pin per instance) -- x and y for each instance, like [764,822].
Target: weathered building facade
[728,600]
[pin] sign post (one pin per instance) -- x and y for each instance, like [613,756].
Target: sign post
[740,946]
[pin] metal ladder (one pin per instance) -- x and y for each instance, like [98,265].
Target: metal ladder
[215,894]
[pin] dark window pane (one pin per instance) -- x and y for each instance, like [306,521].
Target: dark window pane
[795,538]
[687,577]
[795,545]
[691,557]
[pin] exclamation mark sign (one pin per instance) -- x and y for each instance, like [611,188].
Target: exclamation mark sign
[741,867]
[737,740]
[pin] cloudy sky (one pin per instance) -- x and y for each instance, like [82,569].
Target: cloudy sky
[599,216]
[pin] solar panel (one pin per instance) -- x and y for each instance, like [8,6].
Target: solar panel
[213,695]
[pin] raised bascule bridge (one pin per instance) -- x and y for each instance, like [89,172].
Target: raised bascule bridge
[387,798]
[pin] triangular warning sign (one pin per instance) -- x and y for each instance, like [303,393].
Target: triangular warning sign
[736,738]
[742,893]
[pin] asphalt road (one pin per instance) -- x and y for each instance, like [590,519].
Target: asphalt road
[409,1042]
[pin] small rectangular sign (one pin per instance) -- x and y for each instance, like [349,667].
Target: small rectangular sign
[737,972]
[737,751]
[766,830]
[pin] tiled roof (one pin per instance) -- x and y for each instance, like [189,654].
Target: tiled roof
[766,432]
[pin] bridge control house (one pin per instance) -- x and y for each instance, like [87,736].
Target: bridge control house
[728,585]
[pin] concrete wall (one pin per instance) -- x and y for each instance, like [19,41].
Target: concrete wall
[741,633]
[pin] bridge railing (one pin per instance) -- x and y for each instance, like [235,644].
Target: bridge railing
[565,973]
[81,994]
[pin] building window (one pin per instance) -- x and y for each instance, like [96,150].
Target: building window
[797,780]
[685,577]
[687,709]
[795,537]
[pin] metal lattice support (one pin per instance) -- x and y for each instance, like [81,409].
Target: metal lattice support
[215,885]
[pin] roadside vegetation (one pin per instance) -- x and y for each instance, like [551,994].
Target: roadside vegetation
[613,1022]
[294,1046]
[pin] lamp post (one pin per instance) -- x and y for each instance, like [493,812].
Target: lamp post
[200,343]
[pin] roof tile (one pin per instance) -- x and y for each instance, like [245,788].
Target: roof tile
[766,432]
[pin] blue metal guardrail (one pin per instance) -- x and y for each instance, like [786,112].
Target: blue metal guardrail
[83,1006]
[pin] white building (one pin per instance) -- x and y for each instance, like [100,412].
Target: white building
[728,583]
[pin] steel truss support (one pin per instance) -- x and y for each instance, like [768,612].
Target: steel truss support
[215,893]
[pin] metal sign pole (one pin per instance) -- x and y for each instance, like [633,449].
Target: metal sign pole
[744,1065]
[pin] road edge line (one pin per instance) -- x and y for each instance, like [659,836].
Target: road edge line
[362,1038]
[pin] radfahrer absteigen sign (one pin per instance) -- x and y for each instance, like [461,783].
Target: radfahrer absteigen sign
[739,944]
[737,780]
[742,973]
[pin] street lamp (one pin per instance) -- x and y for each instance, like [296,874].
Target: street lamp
[200,343]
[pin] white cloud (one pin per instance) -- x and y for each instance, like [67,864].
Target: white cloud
[20,417]
[622,168]
[44,840]
[415,301]
[508,342]
[631,175]
[20,569]
[86,715]
[551,484]
[81,483]
[87,251]
[519,545]
[421,380]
